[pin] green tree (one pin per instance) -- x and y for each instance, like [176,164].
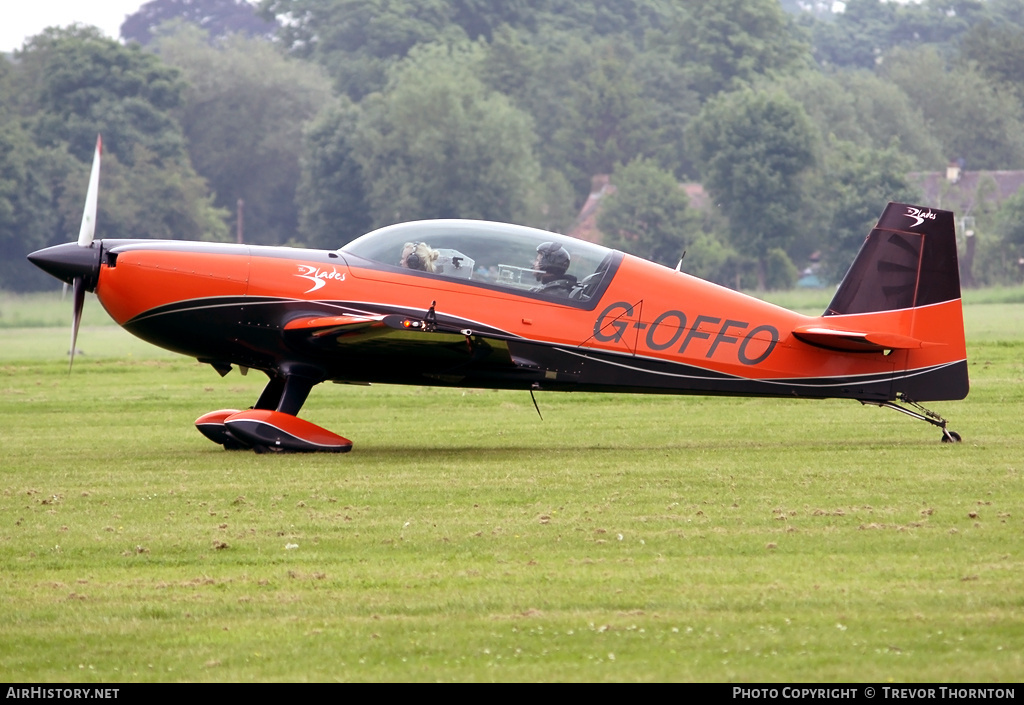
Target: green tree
[1000,250]
[243,115]
[862,108]
[868,30]
[600,125]
[648,215]
[72,84]
[27,218]
[147,199]
[709,257]
[780,272]
[513,65]
[481,18]
[753,149]
[438,144]
[629,20]
[1011,224]
[331,195]
[218,18]
[357,41]
[998,53]
[76,83]
[971,119]
[550,203]
[725,44]
[856,37]
[595,103]
[668,104]
[388,29]
[857,183]
[1007,12]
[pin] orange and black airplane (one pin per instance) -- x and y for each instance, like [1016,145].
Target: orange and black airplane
[462,303]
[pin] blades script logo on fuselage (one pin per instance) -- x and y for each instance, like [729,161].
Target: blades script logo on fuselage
[318,276]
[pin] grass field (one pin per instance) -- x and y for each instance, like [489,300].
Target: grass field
[622,538]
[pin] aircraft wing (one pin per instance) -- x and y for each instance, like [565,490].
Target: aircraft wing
[392,338]
[336,327]
[855,341]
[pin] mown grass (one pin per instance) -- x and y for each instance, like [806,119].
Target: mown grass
[47,309]
[622,538]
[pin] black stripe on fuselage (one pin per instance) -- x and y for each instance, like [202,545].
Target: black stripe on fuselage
[249,331]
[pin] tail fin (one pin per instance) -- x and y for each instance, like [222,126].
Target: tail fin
[908,260]
[904,286]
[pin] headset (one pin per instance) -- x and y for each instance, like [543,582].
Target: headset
[413,260]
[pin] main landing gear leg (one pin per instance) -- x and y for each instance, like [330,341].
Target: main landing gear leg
[922,414]
[272,425]
[286,393]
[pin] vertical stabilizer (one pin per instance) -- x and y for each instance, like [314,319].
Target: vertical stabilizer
[908,260]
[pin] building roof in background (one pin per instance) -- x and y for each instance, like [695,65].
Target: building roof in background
[962,191]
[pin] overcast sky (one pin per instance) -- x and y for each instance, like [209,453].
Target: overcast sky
[21,19]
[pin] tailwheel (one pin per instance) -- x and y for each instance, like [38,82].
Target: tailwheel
[920,413]
[950,436]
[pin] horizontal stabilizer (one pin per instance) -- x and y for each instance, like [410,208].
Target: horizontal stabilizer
[856,341]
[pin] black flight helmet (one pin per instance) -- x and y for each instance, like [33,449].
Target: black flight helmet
[552,258]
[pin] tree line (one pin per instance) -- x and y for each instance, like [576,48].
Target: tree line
[309,122]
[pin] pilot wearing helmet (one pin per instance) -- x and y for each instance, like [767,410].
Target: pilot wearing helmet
[550,266]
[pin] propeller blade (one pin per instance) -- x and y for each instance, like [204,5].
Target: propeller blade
[85,237]
[88,229]
[76,318]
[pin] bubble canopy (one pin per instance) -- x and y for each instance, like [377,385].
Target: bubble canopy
[490,254]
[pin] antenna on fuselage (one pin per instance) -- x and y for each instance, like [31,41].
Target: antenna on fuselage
[535,406]
[679,265]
